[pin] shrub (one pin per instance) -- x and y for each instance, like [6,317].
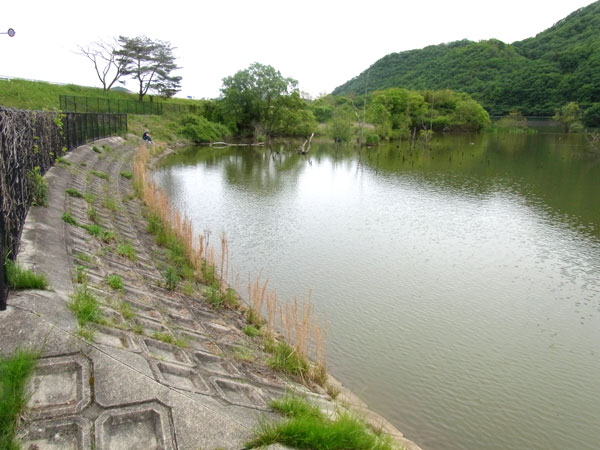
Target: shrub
[198,129]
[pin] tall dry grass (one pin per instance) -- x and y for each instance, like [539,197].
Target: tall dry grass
[180,226]
[296,320]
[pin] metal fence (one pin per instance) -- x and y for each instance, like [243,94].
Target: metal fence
[79,128]
[32,140]
[107,105]
[72,103]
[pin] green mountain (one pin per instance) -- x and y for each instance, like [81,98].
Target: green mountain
[535,76]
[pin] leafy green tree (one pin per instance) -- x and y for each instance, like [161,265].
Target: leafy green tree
[396,111]
[259,101]
[568,115]
[470,116]
[322,108]
[341,125]
[591,116]
[150,63]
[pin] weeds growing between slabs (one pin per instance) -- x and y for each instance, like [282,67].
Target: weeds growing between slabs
[307,427]
[15,372]
[20,278]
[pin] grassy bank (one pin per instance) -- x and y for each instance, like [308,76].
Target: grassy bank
[39,95]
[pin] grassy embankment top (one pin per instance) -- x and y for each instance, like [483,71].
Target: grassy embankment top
[38,95]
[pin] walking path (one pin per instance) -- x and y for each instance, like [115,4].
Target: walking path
[128,388]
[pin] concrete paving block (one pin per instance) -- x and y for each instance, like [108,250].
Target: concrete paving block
[57,434]
[215,364]
[60,385]
[137,427]
[180,377]
[239,393]
[166,352]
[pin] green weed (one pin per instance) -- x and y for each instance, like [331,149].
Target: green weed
[287,360]
[170,339]
[74,192]
[37,187]
[110,204]
[126,310]
[243,354]
[307,427]
[19,278]
[102,175]
[115,282]
[93,214]
[171,279]
[86,333]
[62,161]
[126,250]
[68,217]
[85,306]
[15,372]
[96,149]
[80,274]
[126,174]
[252,331]
[83,257]
[89,197]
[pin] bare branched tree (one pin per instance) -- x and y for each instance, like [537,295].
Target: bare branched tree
[108,66]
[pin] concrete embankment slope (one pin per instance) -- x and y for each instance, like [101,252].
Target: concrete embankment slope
[130,387]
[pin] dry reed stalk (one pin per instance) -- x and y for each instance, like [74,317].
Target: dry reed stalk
[272,307]
[256,295]
[224,261]
[320,334]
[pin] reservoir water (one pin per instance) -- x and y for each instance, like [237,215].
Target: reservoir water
[460,282]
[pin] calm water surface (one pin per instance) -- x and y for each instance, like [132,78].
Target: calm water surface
[461,283]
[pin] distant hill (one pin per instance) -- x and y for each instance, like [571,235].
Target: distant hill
[535,76]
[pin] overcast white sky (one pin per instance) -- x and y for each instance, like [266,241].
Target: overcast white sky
[320,43]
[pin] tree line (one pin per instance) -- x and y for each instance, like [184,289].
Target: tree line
[536,76]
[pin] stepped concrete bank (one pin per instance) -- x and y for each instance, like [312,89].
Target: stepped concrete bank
[126,389]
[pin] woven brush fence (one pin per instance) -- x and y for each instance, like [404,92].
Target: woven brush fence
[30,142]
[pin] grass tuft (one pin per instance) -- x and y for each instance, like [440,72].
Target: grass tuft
[126,250]
[307,427]
[15,372]
[85,306]
[170,339]
[286,359]
[127,175]
[68,218]
[19,278]
[74,192]
[102,175]
[115,282]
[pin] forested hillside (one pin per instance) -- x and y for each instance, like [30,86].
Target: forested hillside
[535,76]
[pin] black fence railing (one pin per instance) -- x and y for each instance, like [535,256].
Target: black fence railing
[79,128]
[72,103]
